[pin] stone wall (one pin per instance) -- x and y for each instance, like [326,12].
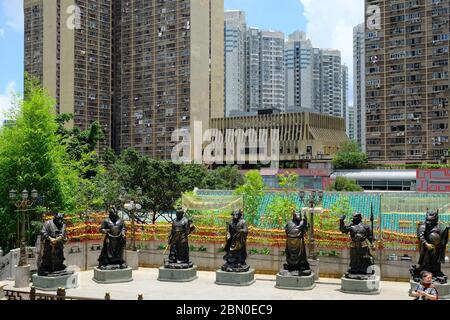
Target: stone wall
[209,257]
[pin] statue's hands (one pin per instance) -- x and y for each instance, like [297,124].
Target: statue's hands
[59,239]
[429,246]
[52,240]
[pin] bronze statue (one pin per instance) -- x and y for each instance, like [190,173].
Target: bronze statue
[297,261]
[361,259]
[51,257]
[178,243]
[433,242]
[236,245]
[111,256]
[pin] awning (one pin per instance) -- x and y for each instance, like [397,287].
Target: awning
[329,136]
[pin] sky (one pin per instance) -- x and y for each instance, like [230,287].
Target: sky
[328,23]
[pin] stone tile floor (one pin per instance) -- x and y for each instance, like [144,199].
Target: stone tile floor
[145,282]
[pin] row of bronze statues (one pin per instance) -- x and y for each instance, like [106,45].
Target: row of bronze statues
[433,241]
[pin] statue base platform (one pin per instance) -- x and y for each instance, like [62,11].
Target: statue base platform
[52,283]
[132,259]
[442,289]
[369,287]
[289,282]
[113,276]
[177,275]
[2,293]
[22,276]
[240,279]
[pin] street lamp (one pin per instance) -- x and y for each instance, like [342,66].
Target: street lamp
[23,206]
[314,199]
[132,207]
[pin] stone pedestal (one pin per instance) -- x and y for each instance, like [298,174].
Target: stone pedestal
[177,275]
[314,266]
[132,259]
[2,293]
[442,289]
[353,286]
[22,276]
[69,281]
[113,276]
[235,278]
[295,283]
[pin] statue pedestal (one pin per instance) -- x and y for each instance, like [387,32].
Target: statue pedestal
[295,283]
[353,286]
[2,293]
[177,275]
[22,276]
[442,289]
[68,281]
[239,279]
[113,276]
[314,266]
[132,259]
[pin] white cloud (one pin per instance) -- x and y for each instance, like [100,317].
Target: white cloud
[330,25]
[6,99]
[2,33]
[13,11]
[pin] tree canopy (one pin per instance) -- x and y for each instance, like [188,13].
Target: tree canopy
[350,156]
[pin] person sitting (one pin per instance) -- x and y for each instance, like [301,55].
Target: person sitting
[426,290]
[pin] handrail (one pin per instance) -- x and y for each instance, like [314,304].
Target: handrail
[60,295]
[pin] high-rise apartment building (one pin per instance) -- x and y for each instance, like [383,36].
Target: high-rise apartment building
[235,71]
[298,55]
[359,84]
[68,48]
[344,90]
[407,80]
[350,123]
[265,83]
[172,71]
[159,65]
[327,78]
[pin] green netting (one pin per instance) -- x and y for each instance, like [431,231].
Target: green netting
[212,202]
[414,203]
[211,210]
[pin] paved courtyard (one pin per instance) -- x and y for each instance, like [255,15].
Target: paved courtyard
[145,282]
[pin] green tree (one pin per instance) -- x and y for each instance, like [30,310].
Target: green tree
[350,157]
[345,184]
[288,181]
[253,192]
[161,189]
[31,156]
[192,176]
[330,221]
[282,206]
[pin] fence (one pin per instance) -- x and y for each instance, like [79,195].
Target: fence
[59,295]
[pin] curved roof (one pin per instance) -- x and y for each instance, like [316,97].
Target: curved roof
[377,175]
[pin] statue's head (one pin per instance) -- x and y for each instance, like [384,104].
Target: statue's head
[237,215]
[180,214]
[113,214]
[58,218]
[432,218]
[357,218]
[296,216]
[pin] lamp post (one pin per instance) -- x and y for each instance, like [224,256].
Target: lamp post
[314,199]
[132,207]
[23,205]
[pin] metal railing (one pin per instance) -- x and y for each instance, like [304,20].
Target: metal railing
[60,295]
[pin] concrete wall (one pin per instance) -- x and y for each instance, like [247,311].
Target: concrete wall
[85,255]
